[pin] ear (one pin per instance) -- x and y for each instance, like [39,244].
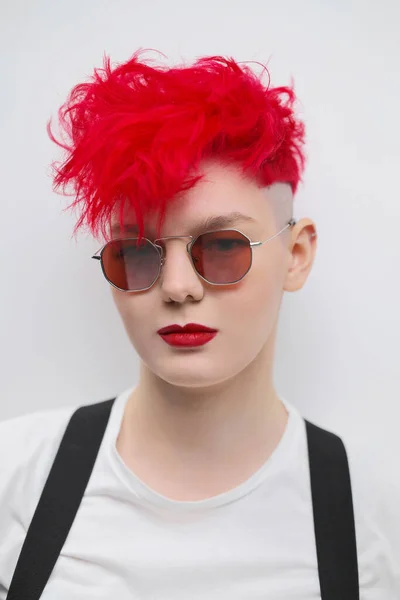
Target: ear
[302,249]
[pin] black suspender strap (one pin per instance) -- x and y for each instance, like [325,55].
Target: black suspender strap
[73,465]
[333,515]
[60,500]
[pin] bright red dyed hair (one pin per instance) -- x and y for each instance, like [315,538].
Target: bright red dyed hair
[137,133]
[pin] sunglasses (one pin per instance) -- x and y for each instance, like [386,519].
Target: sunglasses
[220,257]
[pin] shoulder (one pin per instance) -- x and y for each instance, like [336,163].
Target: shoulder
[28,445]
[22,437]
[375,481]
[375,485]
[375,478]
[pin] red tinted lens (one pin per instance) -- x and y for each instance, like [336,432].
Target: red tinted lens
[131,265]
[222,256]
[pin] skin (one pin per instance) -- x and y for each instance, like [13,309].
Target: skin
[202,420]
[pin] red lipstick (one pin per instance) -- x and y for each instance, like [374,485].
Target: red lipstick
[189,335]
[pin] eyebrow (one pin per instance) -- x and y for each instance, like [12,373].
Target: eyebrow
[208,224]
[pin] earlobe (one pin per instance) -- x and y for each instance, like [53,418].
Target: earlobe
[302,255]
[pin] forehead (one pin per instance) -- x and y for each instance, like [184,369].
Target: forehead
[222,198]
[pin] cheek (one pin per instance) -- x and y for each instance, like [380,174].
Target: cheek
[250,313]
[136,312]
[258,297]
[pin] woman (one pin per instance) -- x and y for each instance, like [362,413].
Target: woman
[207,484]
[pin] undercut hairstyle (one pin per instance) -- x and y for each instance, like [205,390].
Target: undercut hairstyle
[135,134]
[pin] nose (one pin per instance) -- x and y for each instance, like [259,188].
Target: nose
[178,279]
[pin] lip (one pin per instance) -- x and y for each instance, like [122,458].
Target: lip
[189,336]
[189,328]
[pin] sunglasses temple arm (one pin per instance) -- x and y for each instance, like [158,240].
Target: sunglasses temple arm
[290,224]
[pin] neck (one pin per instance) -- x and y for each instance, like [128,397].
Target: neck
[214,413]
[235,424]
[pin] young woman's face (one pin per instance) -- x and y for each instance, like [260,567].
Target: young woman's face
[244,313]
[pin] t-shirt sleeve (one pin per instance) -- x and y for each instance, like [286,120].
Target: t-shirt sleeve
[28,445]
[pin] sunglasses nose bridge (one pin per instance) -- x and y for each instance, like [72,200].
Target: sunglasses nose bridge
[173,237]
[160,248]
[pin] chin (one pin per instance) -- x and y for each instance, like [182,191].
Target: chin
[191,373]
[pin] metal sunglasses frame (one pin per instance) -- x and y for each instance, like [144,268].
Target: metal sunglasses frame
[189,246]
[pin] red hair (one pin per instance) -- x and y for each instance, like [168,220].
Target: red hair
[136,134]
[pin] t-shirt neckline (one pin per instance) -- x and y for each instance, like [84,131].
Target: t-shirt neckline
[146,496]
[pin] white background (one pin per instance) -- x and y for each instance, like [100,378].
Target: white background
[62,342]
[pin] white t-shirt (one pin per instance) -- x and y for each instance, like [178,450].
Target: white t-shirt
[128,542]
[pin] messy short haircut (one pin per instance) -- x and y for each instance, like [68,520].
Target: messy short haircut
[135,134]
